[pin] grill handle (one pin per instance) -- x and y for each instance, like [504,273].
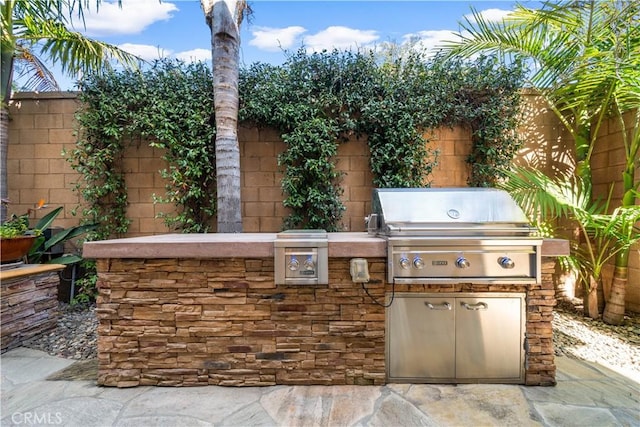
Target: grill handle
[471,229]
[443,306]
[475,307]
[372,223]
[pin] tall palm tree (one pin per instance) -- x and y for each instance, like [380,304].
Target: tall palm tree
[35,30]
[585,55]
[224,18]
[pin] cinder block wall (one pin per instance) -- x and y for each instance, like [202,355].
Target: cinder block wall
[548,146]
[608,163]
[42,126]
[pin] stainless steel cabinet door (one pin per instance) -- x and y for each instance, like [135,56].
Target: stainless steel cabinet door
[421,339]
[488,338]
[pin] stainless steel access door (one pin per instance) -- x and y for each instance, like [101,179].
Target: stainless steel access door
[458,338]
[421,339]
[489,336]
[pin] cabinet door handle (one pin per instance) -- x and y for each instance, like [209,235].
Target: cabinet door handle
[478,306]
[443,306]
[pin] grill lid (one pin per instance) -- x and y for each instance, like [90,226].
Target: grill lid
[446,211]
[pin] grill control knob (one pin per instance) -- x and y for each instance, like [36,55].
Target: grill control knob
[462,262]
[309,264]
[506,262]
[404,263]
[418,263]
[294,264]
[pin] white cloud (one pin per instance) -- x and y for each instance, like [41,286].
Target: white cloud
[145,51]
[132,18]
[194,55]
[275,39]
[151,53]
[335,37]
[490,15]
[428,41]
[338,37]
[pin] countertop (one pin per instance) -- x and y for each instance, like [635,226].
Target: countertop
[28,270]
[250,245]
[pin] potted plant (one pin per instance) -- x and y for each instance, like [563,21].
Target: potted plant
[16,237]
[19,239]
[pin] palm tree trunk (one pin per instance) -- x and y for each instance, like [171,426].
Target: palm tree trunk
[4,146]
[600,296]
[590,298]
[583,157]
[223,18]
[614,311]
[6,78]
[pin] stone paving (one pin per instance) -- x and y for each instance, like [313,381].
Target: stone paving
[586,395]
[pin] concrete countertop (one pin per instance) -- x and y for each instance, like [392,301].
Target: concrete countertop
[28,270]
[250,245]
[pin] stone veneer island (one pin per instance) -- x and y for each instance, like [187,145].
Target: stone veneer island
[29,302]
[203,309]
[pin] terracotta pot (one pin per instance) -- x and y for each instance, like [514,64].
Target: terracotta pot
[15,248]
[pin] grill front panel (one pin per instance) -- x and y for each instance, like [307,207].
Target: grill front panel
[515,263]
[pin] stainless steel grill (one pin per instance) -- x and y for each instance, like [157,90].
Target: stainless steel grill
[455,235]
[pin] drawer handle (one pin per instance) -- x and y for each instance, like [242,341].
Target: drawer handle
[478,306]
[443,306]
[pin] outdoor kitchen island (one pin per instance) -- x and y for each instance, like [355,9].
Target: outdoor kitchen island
[205,309]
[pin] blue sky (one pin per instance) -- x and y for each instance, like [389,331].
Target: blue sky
[170,28]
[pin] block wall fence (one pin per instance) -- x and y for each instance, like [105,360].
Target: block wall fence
[43,125]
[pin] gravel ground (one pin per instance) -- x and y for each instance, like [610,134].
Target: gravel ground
[617,347]
[75,336]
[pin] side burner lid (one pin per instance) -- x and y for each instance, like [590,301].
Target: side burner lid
[302,234]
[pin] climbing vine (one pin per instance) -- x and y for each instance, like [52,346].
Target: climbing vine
[178,119]
[486,97]
[98,157]
[169,107]
[313,101]
[317,101]
[395,116]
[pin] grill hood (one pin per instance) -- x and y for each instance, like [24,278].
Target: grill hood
[446,211]
[455,235]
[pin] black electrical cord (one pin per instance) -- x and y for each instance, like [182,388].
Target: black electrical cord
[393,294]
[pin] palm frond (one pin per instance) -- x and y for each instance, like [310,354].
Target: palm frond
[604,235]
[543,197]
[39,29]
[581,52]
[59,10]
[73,51]
[35,74]
[622,225]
